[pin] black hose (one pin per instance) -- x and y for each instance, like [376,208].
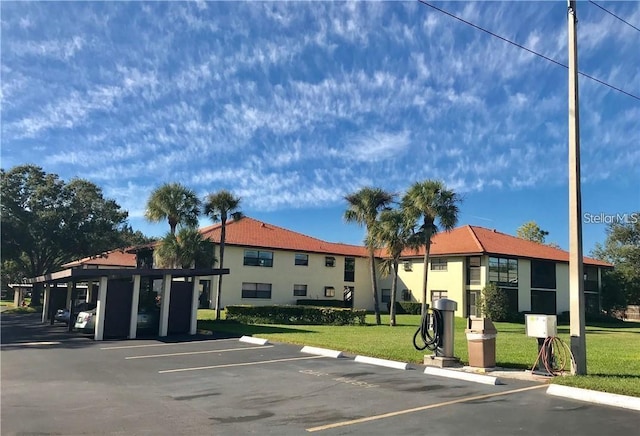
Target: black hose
[430,341]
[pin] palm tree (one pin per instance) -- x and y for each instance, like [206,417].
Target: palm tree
[363,208]
[219,207]
[393,231]
[431,201]
[183,250]
[174,202]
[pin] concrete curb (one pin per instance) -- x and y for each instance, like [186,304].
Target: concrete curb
[382,362]
[461,375]
[615,400]
[321,352]
[252,340]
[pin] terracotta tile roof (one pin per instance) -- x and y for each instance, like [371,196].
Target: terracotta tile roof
[469,240]
[249,232]
[116,258]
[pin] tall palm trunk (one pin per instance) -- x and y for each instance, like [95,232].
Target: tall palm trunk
[394,287]
[427,246]
[372,270]
[223,235]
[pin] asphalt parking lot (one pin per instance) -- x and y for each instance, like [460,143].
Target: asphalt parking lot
[59,383]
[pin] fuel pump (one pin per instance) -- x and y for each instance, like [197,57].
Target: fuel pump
[436,333]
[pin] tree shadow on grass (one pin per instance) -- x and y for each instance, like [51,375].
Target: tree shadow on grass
[240,329]
[631,377]
[513,366]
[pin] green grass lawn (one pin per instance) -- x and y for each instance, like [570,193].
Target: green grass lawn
[613,351]
[11,308]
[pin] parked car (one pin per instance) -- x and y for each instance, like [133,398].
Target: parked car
[63,315]
[147,320]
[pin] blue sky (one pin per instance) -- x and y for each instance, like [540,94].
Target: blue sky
[293,105]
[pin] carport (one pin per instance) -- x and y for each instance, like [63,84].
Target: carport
[118,296]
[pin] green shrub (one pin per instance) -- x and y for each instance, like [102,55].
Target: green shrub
[320,303]
[406,308]
[295,315]
[495,303]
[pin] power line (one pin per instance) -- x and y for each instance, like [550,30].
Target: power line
[611,13]
[526,49]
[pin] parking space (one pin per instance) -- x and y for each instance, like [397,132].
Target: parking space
[228,387]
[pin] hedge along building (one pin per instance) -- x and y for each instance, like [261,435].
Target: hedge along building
[462,262]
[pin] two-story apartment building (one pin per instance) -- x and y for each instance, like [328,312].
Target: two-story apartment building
[273,265]
[462,262]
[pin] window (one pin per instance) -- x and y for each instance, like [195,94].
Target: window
[258,258]
[386,296]
[329,291]
[543,302]
[256,290]
[407,265]
[503,271]
[302,259]
[330,261]
[406,295]
[512,297]
[437,295]
[543,274]
[439,264]
[591,278]
[473,270]
[473,308]
[591,303]
[349,269]
[299,290]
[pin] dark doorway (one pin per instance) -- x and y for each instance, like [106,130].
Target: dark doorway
[347,296]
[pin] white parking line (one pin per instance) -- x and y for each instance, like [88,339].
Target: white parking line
[149,356]
[124,347]
[166,371]
[30,344]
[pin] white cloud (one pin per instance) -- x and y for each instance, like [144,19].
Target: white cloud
[294,104]
[377,146]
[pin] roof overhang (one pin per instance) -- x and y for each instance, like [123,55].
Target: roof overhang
[76,274]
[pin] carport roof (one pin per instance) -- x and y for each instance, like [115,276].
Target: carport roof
[78,274]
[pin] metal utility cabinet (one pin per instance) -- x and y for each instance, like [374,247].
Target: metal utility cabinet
[481,339]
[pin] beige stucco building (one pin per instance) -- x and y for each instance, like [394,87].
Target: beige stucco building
[465,260]
[273,265]
[268,265]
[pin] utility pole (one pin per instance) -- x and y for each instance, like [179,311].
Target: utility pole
[576,278]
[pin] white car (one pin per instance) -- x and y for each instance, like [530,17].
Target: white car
[147,320]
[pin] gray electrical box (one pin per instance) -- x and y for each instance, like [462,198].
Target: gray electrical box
[541,326]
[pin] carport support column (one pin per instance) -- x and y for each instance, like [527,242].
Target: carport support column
[89,291]
[135,300]
[100,309]
[67,302]
[212,286]
[194,305]
[46,302]
[164,305]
